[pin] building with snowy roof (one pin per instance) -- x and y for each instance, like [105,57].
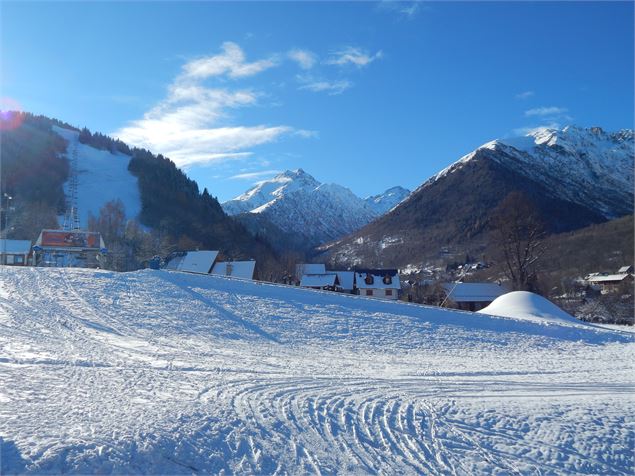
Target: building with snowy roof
[377,283]
[15,252]
[308,268]
[471,296]
[235,269]
[326,281]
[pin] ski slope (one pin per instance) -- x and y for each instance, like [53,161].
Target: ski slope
[171,373]
[102,177]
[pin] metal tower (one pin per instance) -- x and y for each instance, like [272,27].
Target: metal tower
[71,217]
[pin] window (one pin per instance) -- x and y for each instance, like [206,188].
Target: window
[369,279]
[19,259]
[369,292]
[388,292]
[387,279]
[9,259]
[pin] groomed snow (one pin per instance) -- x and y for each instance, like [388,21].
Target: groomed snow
[528,306]
[173,373]
[102,177]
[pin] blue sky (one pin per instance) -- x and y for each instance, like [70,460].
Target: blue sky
[367,95]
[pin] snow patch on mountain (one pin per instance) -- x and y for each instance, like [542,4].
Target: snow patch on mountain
[384,202]
[102,177]
[296,202]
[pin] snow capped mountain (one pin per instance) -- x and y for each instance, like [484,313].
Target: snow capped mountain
[297,203]
[586,166]
[388,200]
[574,177]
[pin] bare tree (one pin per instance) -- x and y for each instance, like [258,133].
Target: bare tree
[518,235]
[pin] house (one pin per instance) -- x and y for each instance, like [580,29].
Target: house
[199,262]
[471,296]
[608,283]
[346,279]
[308,268]
[235,269]
[328,282]
[626,269]
[377,283]
[15,252]
[69,248]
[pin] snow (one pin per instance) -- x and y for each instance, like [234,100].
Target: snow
[529,306]
[235,269]
[318,280]
[384,202]
[584,165]
[15,246]
[473,292]
[195,262]
[102,177]
[174,373]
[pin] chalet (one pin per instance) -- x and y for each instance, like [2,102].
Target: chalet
[326,281]
[235,269]
[471,296]
[15,252]
[308,268]
[346,279]
[377,283]
[608,283]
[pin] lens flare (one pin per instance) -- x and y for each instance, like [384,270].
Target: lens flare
[11,114]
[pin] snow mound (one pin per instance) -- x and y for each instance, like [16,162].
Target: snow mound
[528,306]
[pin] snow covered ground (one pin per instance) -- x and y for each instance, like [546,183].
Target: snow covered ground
[163,372]
[102,177]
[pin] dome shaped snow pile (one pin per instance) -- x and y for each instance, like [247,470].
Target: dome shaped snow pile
[527,306]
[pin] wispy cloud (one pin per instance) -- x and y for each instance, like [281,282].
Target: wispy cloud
[254,175]
[230,62]
[408,10]
[318,85]
[351,55]
[545,111]
[525,95]
[187,125]
[305,58]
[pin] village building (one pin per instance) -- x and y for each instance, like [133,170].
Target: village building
[326,281]
[608,283]
[471,296]
[235,269]
[346,279]
[15,252]
[308,268]
[69,248]
[377,283]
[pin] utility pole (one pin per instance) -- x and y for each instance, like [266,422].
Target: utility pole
[6,209]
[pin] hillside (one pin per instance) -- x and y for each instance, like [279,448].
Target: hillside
[152,192]
[160,372]
[574,177]
[295,211]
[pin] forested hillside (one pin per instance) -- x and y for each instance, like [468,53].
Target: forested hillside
[175,214]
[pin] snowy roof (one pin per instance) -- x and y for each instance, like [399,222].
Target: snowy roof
[194,262]
[235,269]
[318,280]
[308,268]
[379,279]
[473,292]
[21,247]
[608,278]
[346,279]
[625,269]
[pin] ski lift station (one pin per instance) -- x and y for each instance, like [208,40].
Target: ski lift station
[69,248]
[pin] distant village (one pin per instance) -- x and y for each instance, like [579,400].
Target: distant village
[452,288]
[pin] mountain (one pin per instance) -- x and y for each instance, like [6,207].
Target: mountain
[573,176]
[159,208]
[386,201]
[296,211]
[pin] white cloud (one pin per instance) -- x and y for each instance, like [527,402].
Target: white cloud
[305,58]
[409,10]
[187,125]
[310,83]
[525,95]
[230,62]
[353,56]
[545,111]
[254,175]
